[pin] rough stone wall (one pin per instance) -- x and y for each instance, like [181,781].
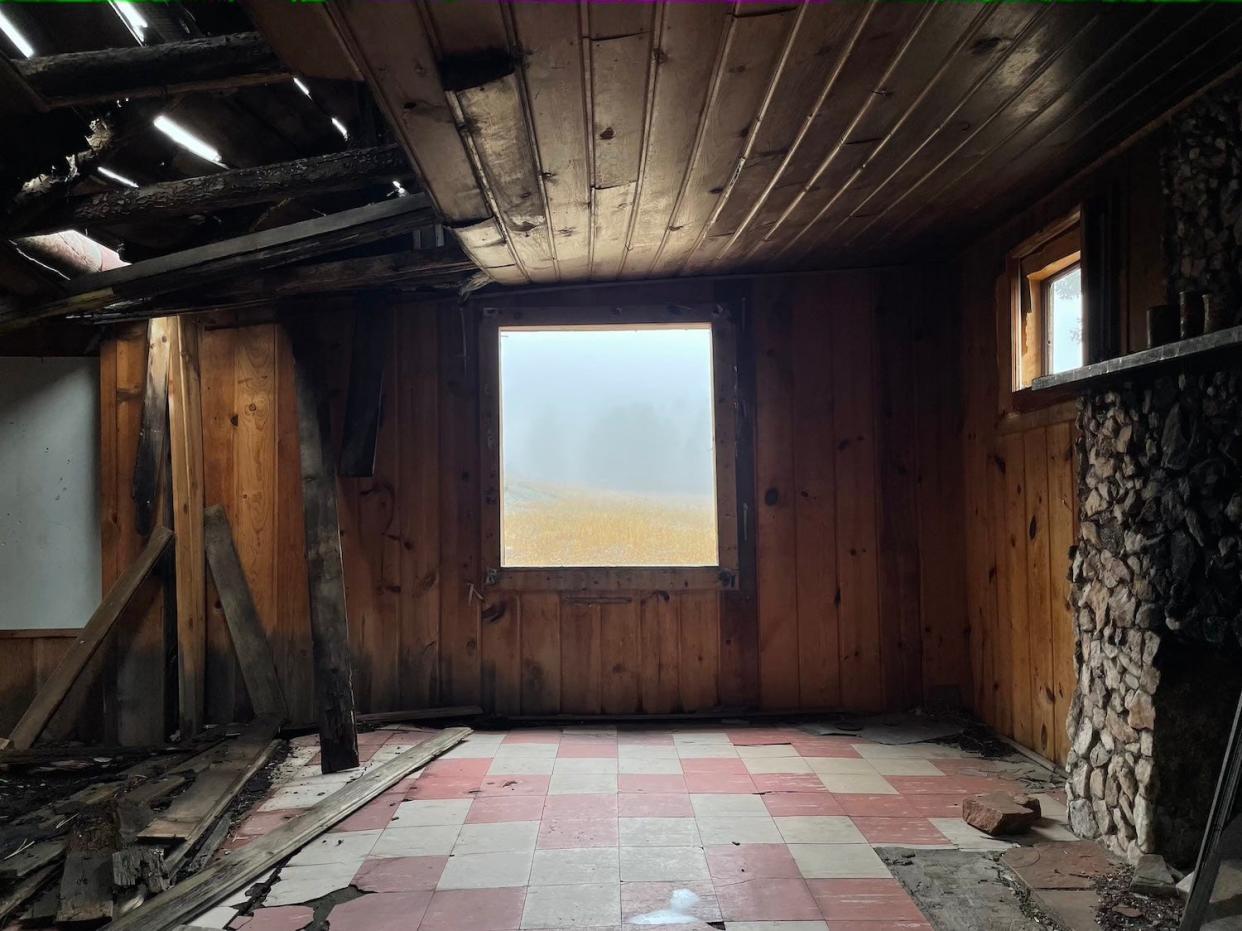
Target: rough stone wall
[1201,166]
[1158,562]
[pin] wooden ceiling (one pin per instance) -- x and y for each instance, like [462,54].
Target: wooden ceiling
[617,140]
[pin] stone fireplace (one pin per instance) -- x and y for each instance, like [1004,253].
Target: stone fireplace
[1157,571]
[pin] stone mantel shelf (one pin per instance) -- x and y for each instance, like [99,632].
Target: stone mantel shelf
[1128,366]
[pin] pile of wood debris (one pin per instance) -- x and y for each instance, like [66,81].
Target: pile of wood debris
[137,849]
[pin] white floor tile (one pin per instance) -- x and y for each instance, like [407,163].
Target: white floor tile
[658,832]
[583,784]
[964,836]
[590,905]
[333,848]
[838,861]
[778,764]
[906,768]
[909,752]
[840,766]
[486,870]
[298,884]
[496,837]
[663,864]
[576,866]
[738,830]
[521,765]
[422,841]
[437,811]
[650,766]
[859,784]
[725,805]
[584,766]
[812,829]
[767,752]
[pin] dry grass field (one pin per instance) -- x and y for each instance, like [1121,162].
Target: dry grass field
[545,526]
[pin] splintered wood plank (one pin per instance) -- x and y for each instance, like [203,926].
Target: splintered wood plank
[852,300]
[221,879]
[250,642]
[500,624]
[1062,502]
[26,890]
[660,622]
[620,657]
[418,454]
[541,653]
[53,692]
[699,653]
[86,883]
[228,767]
[689,37]
[580,656]
[776,515]
[819,672]
[368,359]
[459,502]
[1017,611]
[1038,592]
[903,443]
[220,425]
[334,693]
[185,415]
[153,436]
[552,62]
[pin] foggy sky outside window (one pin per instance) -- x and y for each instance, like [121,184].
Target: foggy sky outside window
[1065,324]
[607,447]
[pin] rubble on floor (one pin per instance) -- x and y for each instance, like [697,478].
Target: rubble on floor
[1121,908]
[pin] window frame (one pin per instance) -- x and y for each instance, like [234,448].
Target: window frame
[721,577]
[1031,267]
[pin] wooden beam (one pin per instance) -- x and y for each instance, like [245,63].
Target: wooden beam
[221,879]
[57,686]
[334,692]
[186,417]
[153,435]
[250,643]
[231,258]
[420,714]
[319,174]
[166,70]
[304,38]
[365,400]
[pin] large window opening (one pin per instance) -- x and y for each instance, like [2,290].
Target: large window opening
[608,446]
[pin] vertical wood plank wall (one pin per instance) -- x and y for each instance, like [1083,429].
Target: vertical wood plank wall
[857,599]
[1020,475]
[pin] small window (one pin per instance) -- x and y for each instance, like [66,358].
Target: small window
[1050,315]
[609,437]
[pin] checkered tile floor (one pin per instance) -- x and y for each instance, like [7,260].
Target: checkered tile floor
[763,829]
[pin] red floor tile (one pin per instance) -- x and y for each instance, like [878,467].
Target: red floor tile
[400,874]
[877,806]
[507,808]
[534,735]
[579,807]
[936,806]
[730,765]
[838,747]
[458,769]
[651,783]
[515,785]
[654,805]
[899,831]
[951,785]
[719,783]
[282,918]
[429,787]
[672,901]
[474,910]
[568,834]
[374,815]
[767,900]
[764,736]
[787,782]
[863,900]
[790,804]
[385,911]
[732,863]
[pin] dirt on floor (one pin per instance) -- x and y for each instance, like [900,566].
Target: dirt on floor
[1123,910]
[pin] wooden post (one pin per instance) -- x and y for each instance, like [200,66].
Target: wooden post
[334,692]
[186,417]
[153,437]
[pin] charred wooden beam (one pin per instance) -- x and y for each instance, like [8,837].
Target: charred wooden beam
[340,171]
[221,62]
[194,268]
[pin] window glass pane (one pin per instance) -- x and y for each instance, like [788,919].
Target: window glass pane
[607,447]
[1065,321]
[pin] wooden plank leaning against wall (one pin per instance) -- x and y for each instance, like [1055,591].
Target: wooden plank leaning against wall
[1020,474]
[845,468]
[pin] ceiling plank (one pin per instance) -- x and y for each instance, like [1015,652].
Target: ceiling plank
[303,36]
[166,70]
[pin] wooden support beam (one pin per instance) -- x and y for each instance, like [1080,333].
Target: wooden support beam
[231,258]
[334,692]
[365,400]
[153,435]
[186,418]
[250,643]
[319,174]
[166,70]
[57,686]
[221,879]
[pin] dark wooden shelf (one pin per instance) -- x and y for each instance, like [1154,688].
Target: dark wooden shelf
[1131,365]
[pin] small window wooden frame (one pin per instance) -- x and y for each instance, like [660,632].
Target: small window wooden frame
[1031,267]
[722,576]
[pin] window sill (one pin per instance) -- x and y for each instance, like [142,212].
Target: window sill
[613,579]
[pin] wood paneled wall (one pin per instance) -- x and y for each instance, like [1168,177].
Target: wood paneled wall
[1020,475]
[853,598]
[28,657]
